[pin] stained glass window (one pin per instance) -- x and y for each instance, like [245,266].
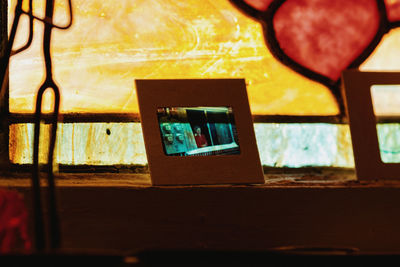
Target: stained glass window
[111,43]
[114,42]
[318,38]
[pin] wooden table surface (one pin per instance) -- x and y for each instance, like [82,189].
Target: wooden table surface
[124,213]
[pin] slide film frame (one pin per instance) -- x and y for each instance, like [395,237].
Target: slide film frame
[244,168]
[359,106]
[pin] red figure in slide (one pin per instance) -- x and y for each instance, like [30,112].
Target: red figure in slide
[200,138]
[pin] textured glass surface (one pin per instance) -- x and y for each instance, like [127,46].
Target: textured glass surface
[387,55]
[348,28]
[393,9]
[389,142]
[280,145]
[301,145]
[321,38]
[261,5]
[386,102]
[113,42]
[83,143]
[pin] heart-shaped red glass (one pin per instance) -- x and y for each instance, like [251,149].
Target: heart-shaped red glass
[321,38]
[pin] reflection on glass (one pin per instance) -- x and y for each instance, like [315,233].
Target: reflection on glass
[198,131]
[386,103]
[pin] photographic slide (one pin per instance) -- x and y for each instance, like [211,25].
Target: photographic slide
[198,131]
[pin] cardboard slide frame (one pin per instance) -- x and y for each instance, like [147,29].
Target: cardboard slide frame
[362,119]
[244,168]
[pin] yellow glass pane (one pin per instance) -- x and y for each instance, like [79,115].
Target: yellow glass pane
[111,43]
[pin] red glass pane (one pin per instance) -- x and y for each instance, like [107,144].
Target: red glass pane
[326,36]
[393,10]
[260,5]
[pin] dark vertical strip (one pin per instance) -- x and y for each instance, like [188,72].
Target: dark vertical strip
[53,221]
[4,108]
[54,224]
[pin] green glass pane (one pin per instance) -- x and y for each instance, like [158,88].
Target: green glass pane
[280,145]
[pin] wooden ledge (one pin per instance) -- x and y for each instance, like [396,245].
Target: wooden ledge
[123,212]
[323,179]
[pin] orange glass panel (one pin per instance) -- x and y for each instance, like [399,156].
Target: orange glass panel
[113,42]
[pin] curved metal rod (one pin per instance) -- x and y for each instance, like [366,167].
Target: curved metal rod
[7,53]
[49,20]
[40,242]
[30,37]
[53,220]
[54,235]
[37,205]
[17,15]
[54,225]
